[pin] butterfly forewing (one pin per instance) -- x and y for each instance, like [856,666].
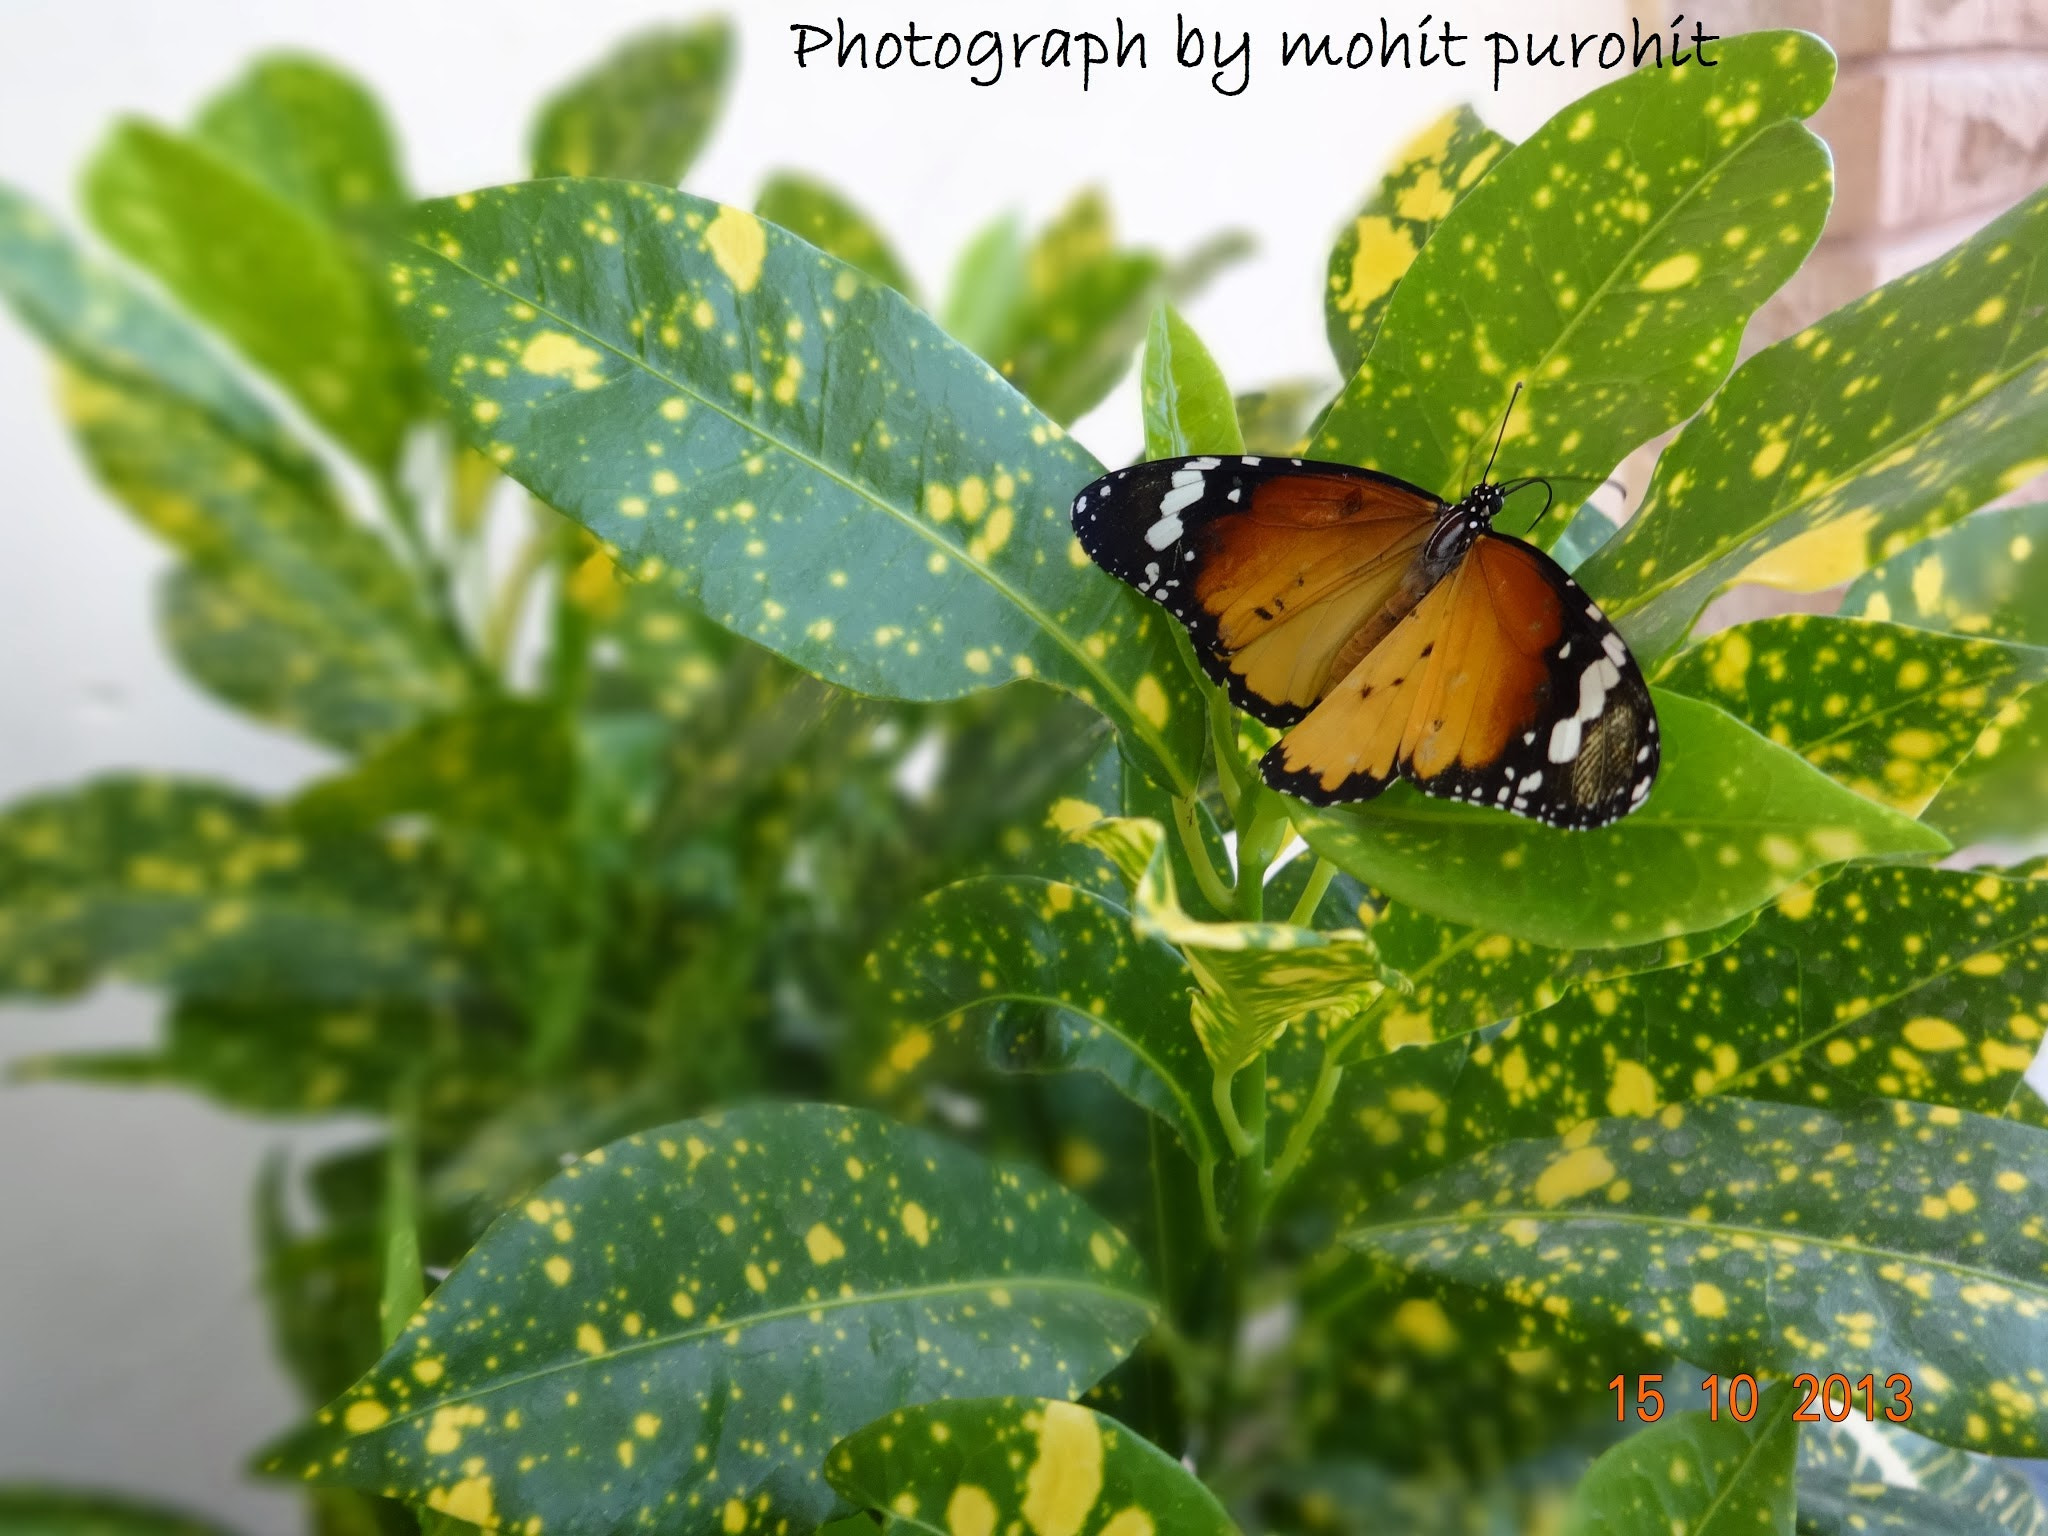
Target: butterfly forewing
[1477,669]
[1276,566]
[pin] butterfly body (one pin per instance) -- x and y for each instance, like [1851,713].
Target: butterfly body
[1393,634]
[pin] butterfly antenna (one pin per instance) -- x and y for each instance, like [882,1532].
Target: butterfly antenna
[1501,436]
[1549,497]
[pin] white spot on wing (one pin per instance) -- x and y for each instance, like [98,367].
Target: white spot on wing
[1564,740]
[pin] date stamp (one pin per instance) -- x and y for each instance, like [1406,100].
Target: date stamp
[1833,1397]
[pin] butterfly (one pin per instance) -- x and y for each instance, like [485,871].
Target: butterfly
[1394,634]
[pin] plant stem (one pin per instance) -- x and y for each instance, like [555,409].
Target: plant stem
[1223,740]
[1187,821]
[1304,913]
[1247,1217]
[1328,1076]
[403,510]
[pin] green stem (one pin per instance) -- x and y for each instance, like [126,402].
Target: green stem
[1223,739]
[1187,821]
[1260,835]
[1328,1076]
[1304,913]
[403,510]
[1222,1096]
[1247,1219]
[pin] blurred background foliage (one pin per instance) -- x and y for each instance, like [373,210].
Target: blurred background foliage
[592,862]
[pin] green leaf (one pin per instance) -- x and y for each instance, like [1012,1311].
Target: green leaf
[290,609]
[671,1334]
[31,1510]
[1760,1237]
[1275,420]
[102,325]
[819,469]
[505,764]
[1188,407]
[1060,981]
[1595,265]
[1886,710]
[1700,1475]
[285,1056]
[644,112]
[405,1283]
[1985,577]
[1933,409]
[1845,1490]
[311,134]
[197,886]
[1012,1463]
[1733,820]
[272,278]
[808,208]
[349,673]
[1255,978]
[987,287]
[1084,305]
[1427,179]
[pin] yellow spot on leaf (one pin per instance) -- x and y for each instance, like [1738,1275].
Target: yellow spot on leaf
[970,1512]
[1425,1325]
[554,354]
[1129,1521]
[1633,1091]
[824,1244]
[1385,252]
[469,1500]
[1572,1175]
[589,1340]
[364,1415]
[1150,699]
[1672,272]
[917,1226]
[739,245]
[1708,1300]
[1061,1488]
[1932,1034]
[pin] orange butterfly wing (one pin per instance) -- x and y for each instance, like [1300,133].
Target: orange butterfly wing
[1505,686]
[1280,569]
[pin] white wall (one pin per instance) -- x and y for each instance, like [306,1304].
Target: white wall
[132,1352]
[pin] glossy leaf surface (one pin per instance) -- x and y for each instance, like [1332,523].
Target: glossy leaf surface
[1060,981]
[1753,1237]
[1700,1475]
[1934,408]
[672,1334]
[1889,711]
[1010,1463]
[815,464]
[1732,821]
[1594,265]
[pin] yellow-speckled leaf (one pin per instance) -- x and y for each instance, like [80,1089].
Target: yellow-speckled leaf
[104,326]
[1255,978]
[672,1334]
[1898,982]
[1733,821]
[1275,420]
[1846,443]
[1986,577]
[1887,710]
[287,608]
[195,885]
[1607,265]
[1432,172]
[981,1465]
[1054,978]
[1846,1490]
[282,1056]
[37,1510]
[1760,1237]
[274,279]
[1702,1474]
[643,112]
[313,135]
[814,463]
[805,206]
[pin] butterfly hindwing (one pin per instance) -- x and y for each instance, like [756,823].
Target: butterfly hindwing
[1277,567]
[1505,686]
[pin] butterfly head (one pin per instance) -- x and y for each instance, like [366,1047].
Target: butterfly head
[1461,523]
